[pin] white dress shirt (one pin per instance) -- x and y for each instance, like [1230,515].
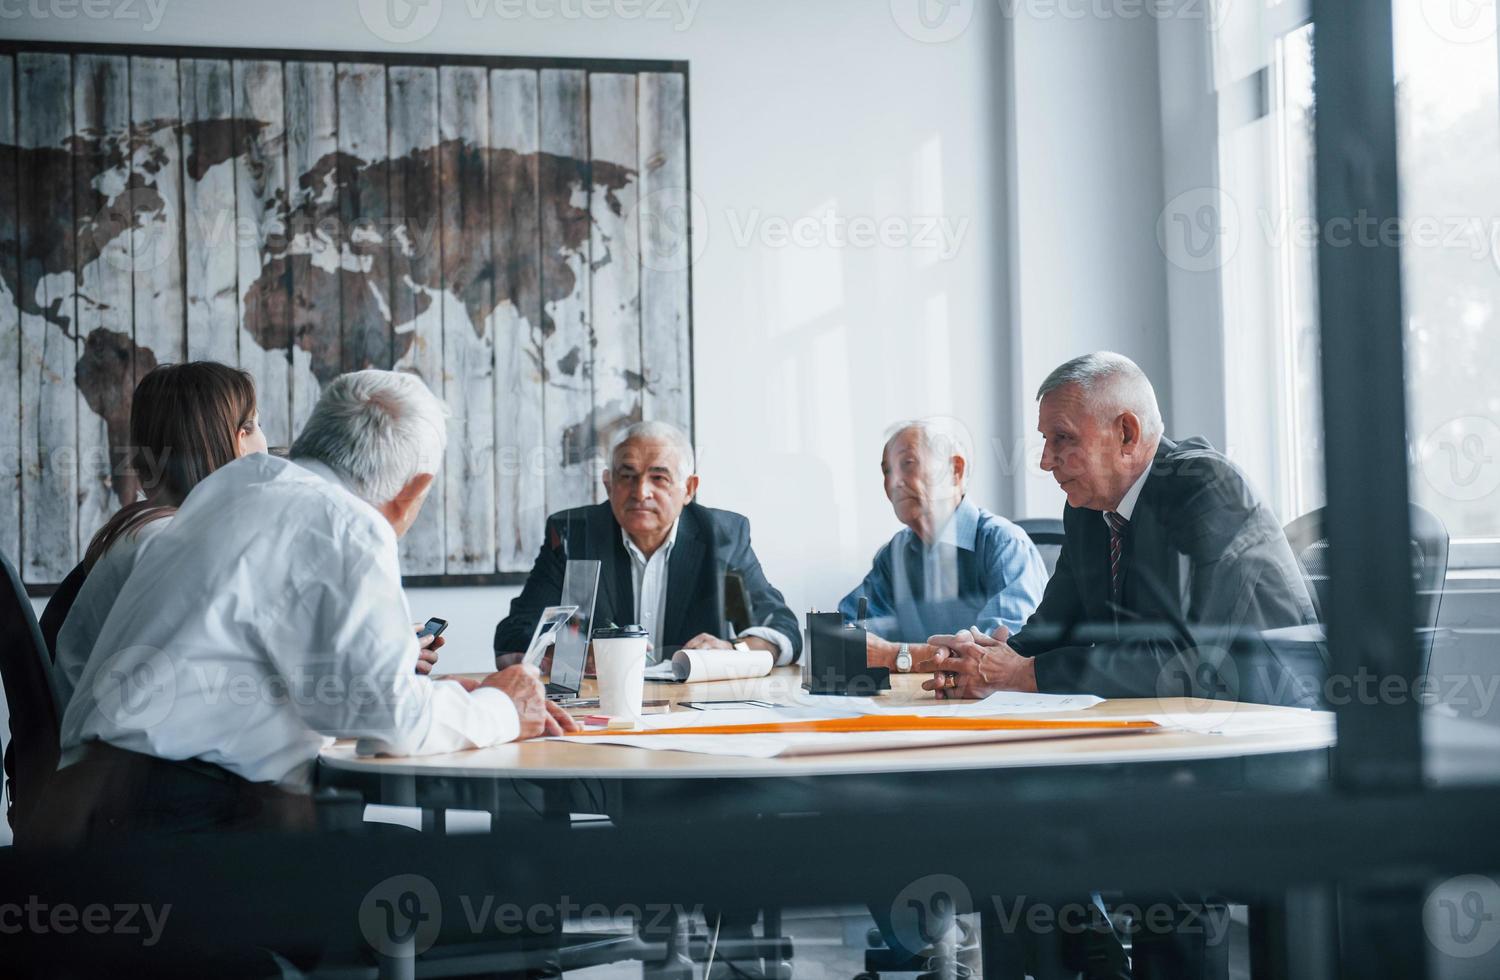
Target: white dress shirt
[648,580]
[1128,502]
[92,605]
[267,619]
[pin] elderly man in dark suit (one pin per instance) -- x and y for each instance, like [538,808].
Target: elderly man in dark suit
[1167,549]
[664,558]
[1162,538]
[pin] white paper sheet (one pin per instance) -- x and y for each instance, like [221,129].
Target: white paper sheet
[660,672]
[1003,703]
[1224,718]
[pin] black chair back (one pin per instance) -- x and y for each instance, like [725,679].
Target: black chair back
[1047,534]
[35,720]
[56,611]
[1429,566]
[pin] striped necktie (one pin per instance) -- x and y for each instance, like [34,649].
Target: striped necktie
[1117,525]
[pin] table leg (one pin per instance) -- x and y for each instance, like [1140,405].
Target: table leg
[1000,955]
[1295,936]
[434,820]
[672,929]
[400,966]
[398,790]
[776,969]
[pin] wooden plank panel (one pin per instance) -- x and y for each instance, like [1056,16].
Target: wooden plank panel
[468,331]
[315,252]
[156,258]
[260,189]
[10,324]
[49,406]
[567,355]
[364,207]
[521,442]
[666,342]
[615,287]
[416,267]
[102,207]
[212,267]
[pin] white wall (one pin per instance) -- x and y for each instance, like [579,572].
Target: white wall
[1087,186]
[1190,168]
[804,354]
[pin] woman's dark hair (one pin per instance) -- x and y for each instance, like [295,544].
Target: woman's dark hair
[185,421]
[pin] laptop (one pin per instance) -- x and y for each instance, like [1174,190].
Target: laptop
[570,652]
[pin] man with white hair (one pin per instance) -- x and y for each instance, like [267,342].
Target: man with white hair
[664,558]
[268,620]
[953,567]
[1161,537]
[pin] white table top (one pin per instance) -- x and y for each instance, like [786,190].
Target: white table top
[546,759]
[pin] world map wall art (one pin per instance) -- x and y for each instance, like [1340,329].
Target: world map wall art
[512,230]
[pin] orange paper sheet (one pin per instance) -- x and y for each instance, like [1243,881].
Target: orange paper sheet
[886,723]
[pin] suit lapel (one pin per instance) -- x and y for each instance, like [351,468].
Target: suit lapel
[684,570]
[614,572]
[1149,551]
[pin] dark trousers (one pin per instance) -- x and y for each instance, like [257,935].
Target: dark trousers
[112,796]
[113,793]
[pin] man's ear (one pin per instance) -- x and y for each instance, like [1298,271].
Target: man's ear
[604,477]
[692,487]
[416,488]
[960,470]
[402,509]
[1130,429]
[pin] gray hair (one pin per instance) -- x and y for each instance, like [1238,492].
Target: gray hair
[942,438]
[687,463]
[1111,383]
[377,430]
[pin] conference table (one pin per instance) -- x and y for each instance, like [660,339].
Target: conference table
[1211,745]
[1289,749]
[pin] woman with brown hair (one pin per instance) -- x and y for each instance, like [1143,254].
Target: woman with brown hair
[186,420]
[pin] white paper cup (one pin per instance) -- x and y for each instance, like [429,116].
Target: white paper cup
[620,662]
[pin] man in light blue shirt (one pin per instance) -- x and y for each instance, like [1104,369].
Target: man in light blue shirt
[954,566]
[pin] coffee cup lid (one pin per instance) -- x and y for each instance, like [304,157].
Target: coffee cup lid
[619,632]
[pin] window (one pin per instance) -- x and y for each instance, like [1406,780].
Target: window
[1448,126]
[1448,113]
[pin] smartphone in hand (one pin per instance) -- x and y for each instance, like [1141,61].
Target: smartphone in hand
[433,627]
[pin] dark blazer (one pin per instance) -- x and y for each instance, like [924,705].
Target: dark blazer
[1202,555]
[709,544]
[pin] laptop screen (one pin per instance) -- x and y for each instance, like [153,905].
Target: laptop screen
[580,586]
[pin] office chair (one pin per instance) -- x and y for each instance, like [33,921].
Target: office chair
[55,613]
[1429,566]
[35,716]
[1047,534]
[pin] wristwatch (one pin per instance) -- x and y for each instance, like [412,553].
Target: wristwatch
[903,659]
